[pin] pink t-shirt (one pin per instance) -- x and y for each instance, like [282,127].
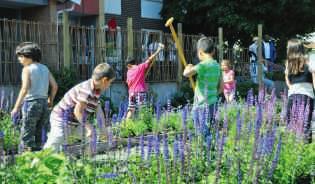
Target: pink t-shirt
[136,78]
[228,86]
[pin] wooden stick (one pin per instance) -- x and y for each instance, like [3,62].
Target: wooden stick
[179,48]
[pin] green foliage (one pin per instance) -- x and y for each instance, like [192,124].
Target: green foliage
[11,135]
[183,95]
[66,79]
[243,87]
[40,167]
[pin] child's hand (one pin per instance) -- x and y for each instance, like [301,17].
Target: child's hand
[50,103]
[189,66]
[88,129]
[161,46]
[14,112]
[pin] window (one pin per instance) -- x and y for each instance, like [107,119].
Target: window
[113,6]
[151,9]
[150,40]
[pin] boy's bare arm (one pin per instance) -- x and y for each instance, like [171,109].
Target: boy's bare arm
[54,89]
[78,111]
[189,70]
[23,91]
[287,81]
[161,47]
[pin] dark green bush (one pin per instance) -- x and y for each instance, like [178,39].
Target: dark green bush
[66,79]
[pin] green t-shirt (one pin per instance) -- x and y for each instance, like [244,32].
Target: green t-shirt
[208,78]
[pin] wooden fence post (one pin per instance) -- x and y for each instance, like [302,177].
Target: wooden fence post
[100,34]
[66,39]
[260,69]
[220,32]
[180,67]
[130,36]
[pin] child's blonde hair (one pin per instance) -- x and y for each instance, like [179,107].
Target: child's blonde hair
[226,62]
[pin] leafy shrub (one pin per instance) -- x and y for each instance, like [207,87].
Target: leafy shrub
[243,87]
[11,133]
[66,79]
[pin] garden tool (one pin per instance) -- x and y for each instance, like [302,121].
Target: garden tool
[179,48]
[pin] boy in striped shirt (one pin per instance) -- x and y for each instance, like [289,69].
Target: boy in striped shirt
[79,101]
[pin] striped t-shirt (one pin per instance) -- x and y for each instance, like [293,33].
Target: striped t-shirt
[83,92]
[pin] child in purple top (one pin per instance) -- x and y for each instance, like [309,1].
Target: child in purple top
[136,80]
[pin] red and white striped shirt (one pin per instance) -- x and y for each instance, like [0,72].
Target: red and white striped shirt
[83,92]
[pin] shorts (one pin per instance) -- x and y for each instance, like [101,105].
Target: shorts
[136,99]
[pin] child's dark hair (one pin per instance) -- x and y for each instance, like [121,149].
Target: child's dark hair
[30,50]
[206,45]
[130,61]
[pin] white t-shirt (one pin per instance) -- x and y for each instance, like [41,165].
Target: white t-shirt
[267,50]
[311,58]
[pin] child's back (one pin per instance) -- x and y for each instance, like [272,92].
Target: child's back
[209,74]
[39,77]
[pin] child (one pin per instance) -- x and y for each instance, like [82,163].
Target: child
[209,82]
[136,81]
[300,82]
[36,79]
[229,87]
[80,100]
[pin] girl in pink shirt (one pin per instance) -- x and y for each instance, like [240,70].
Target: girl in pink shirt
[136,81]
[228,80]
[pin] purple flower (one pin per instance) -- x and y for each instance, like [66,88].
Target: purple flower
[15,119]
[250,98]
[158,111]
[150,147]
[182,154]
[238,126]
[43,136]
[100,119]
[93,141]
[259,119]
[157,146]
[175,150]
[261,95]
[107,108]
[209,139]
[270,138]
[276,158]
[165,148]
[114,118]
[142,147]
[110,137]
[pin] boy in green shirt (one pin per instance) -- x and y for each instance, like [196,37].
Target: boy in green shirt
[208,83]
